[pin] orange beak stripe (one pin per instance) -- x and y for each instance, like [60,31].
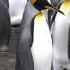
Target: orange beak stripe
[33,1]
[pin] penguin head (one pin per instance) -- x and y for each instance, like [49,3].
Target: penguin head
[43,4]
[40,4]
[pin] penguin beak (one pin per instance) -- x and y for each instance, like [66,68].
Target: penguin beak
[44,4]
[53,9]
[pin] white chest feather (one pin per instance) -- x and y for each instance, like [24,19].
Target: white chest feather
[61,37]
[42,45]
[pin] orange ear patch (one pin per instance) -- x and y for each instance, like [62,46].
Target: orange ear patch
[33,1]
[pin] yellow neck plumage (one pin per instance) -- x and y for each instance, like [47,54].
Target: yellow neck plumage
[40,17]
[65,7]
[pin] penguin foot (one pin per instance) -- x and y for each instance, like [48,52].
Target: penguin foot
[3,48]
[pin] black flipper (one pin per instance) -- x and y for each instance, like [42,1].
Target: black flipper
[69,44]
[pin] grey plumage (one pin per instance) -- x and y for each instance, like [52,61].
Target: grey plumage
[24,60]
[5,25]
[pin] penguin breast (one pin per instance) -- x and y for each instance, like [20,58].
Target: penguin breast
[61,37]
[42,44]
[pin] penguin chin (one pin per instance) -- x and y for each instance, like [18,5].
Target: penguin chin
[3,48]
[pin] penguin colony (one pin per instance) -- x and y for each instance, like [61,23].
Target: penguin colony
[5,25]
[61,38]
[34,51]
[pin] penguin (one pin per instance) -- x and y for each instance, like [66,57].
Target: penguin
[42,44]
[24,59]
[42,41]
[27,54]
[5,26]
[61,38]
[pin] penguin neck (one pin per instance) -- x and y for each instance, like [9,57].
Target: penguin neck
[41,29]
[42,44]
[65,7]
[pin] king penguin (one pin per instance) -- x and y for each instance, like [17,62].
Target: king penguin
[42,44]
[5,25]
[24,60]
[34,50]
[61,38]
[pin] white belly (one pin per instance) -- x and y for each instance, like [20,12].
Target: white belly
[42,45]
[60,41]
